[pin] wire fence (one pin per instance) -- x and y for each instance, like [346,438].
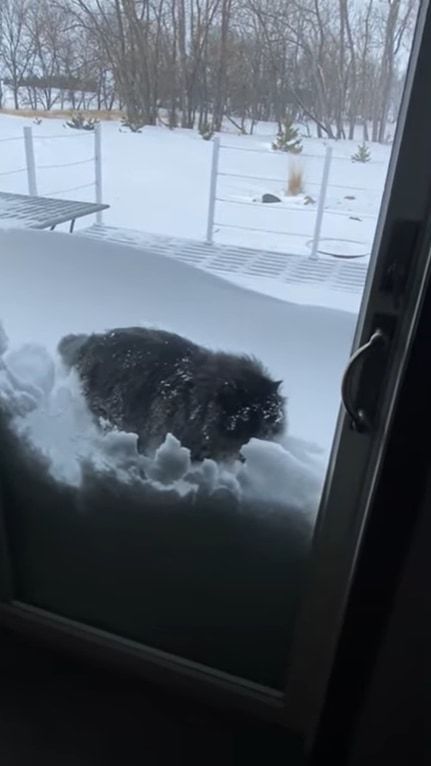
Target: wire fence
[13,172]
[10,138]
[315,209]
[270,153]
[35,171]
[70,189]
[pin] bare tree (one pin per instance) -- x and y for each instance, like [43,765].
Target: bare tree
[16,45]
[394,21]
[334,63]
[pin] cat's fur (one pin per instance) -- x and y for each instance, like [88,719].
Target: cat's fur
[153,382]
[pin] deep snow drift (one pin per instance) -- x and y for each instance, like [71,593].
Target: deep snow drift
[193,559]
[53,284]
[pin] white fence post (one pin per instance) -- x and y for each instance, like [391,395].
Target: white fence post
[98,167]
[30,163]
[213,189]
[321,204]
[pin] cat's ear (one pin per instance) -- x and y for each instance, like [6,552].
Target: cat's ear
[276,384]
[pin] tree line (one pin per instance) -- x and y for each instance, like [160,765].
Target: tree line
[333,64]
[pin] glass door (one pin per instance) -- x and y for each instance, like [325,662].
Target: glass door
[178,485]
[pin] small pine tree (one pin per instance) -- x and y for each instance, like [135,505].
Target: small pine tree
[80,122]
[362,154]
[207,131]
[288,140]
[135,124]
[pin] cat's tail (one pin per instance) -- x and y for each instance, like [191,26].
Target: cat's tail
[69,348]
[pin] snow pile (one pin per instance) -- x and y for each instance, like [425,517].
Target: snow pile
[54,284]
[49,411]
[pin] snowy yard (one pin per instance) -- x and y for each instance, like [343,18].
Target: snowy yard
[158,181]
[137,546]
[51,287]
[184,529]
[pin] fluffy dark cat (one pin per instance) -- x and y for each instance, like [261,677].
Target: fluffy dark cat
[151,382]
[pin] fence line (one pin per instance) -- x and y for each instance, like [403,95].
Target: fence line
[31,167]
[96,158]
[252,178]
[12,172]
[275,153]
[81,134]
[283,181]
[319,212]
[262,231]
[12,138]
[274,207]
[66,164]
[346,188]
[351,213]
[214,199]
[284,209]
[70,189]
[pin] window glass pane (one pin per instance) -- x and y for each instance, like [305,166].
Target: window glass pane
[170,372]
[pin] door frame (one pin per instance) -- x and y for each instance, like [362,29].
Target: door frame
[352,475]
[402,246]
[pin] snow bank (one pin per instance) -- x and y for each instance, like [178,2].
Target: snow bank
[53,284]
[49,411]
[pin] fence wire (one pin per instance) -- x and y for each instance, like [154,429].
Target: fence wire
[12,172]
[82,134]
[53,165]
[11,138]
[275,153]
[70,189]
[276,207]
[66,164]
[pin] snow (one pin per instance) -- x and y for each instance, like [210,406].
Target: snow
[190,558]
[256,270]
[158,181]
[53,284]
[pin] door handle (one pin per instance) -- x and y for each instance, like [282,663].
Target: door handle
[360,419]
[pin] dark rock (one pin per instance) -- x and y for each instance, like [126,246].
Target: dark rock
[270,198]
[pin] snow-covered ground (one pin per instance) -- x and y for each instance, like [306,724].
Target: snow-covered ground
[192,559]
[158,181]
[53,284]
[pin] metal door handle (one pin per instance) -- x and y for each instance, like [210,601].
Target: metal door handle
[359,418]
